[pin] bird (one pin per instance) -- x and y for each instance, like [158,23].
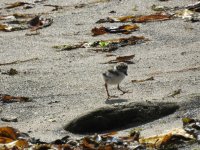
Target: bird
[114,77]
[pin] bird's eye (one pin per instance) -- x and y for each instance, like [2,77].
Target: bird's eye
[125,67]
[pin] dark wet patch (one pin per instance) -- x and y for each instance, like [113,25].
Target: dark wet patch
[119,117]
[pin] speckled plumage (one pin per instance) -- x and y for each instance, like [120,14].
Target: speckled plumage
[115,75]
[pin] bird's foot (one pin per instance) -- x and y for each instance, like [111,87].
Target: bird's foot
[111,96]
[124,92]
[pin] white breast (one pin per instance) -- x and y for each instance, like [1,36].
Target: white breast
[113,79]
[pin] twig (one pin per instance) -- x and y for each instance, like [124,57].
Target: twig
[148,79]
[18,61]
[126,59]
[174,71]
[174,93]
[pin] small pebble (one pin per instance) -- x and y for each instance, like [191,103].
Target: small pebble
[9,119]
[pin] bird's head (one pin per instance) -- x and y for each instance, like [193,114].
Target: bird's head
[122,67]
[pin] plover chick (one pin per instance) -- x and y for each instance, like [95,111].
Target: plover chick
[115,76]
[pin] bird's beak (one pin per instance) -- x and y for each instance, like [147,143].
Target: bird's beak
[126,73]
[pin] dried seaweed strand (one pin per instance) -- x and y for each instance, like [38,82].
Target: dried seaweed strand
[143,80]
[18,61]
[174,71]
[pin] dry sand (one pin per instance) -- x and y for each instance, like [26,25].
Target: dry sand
[73,78]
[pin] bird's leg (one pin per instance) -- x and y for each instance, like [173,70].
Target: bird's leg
[108,95]
[34,31]
[106,86]
[123,92]
[37,32]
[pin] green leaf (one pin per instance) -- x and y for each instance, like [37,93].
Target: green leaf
[103,43]
[186,120]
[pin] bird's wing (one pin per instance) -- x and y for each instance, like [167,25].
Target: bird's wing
[110,73]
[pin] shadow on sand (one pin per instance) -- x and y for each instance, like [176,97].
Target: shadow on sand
[112,118]
[115,101]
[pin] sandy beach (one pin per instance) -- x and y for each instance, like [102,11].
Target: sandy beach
[66,84]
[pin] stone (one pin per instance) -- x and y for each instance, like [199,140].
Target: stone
[9,119]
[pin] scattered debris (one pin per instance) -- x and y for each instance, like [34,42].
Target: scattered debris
[104,45]
[143,80]
[179,71]
[18,61]
[190,12]
[135,131]
[137,19]
[12,138]
[17,4]
[192,126]
[174,93]
[112,20]
[188,15]
[79,5]
[39,1]
[29,6]
[16,22]
[125,29]
[5,27]
[185,13]
[97,1]
[114,44]
[112,12]
[9,119]
[159,8]
[52,120]
[194,7]
[74,6]
[8,132]
[11,72]
[56,7]
[10,99]
[183,53]
[170,140]
[16,16]
[110,55]
[68,47]
[53,102]
[151,18]
[126,59]
[23,16]
[10,17]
